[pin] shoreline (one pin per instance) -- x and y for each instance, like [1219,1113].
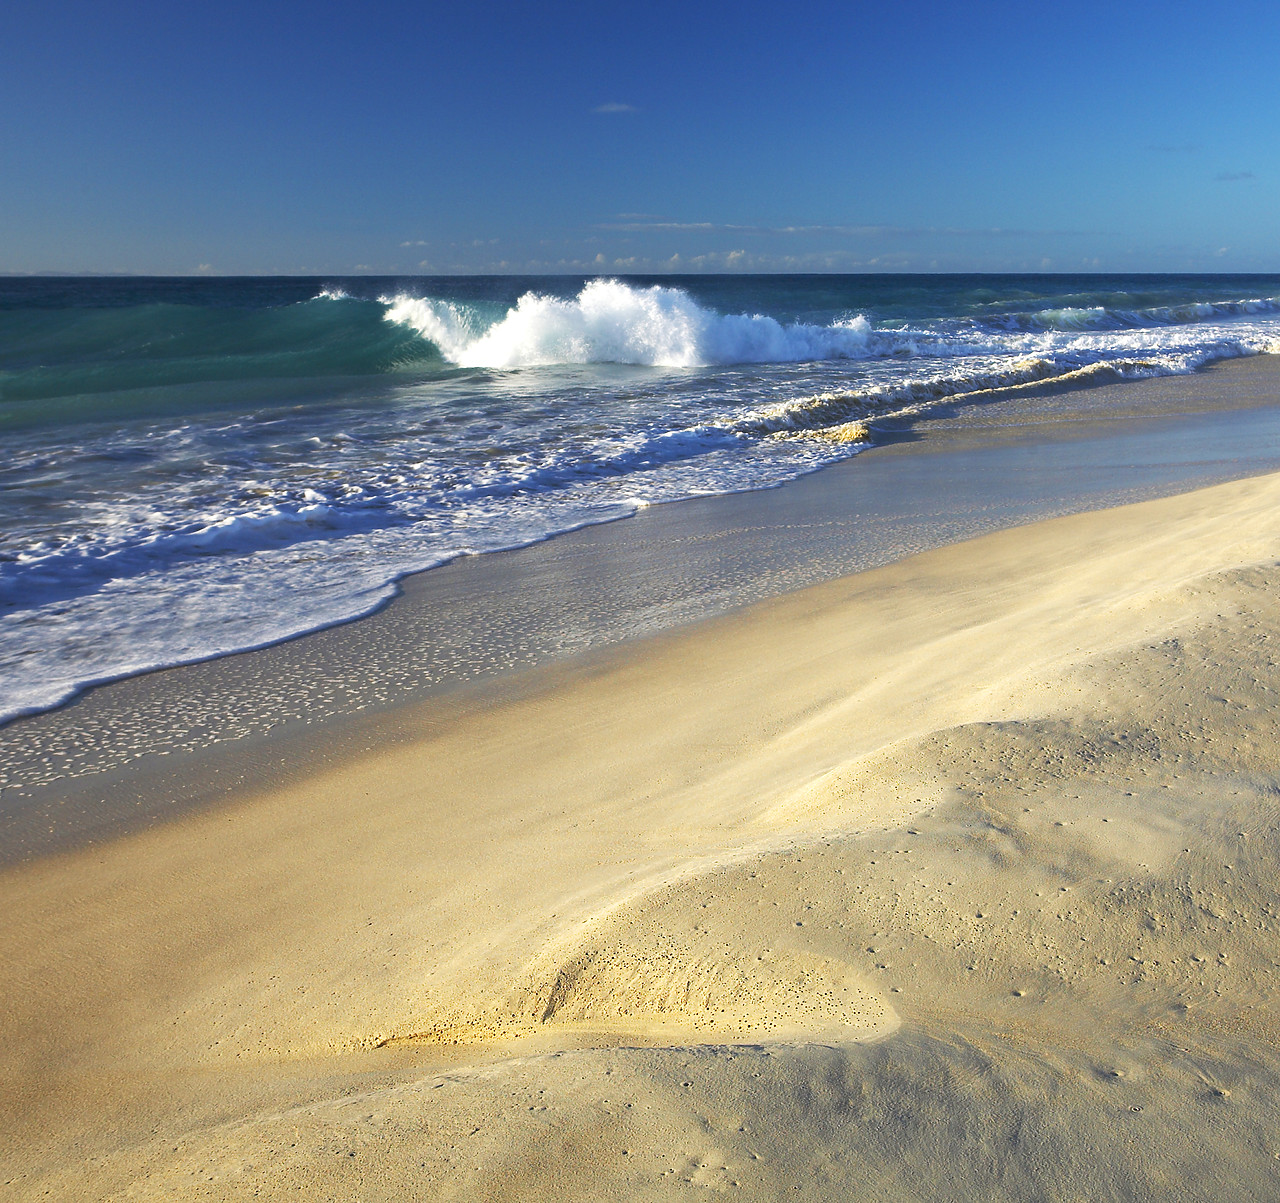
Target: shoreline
[468,633]
[943,863]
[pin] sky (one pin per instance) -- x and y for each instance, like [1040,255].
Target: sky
[180,137]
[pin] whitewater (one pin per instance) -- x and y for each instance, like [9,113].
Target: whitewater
[196,467]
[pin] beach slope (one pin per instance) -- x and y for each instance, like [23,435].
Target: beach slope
[952,879]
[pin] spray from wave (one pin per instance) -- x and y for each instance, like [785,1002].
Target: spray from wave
[613,322]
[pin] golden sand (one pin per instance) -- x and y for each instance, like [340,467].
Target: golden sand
[954,879]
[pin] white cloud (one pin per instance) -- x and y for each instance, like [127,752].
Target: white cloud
[615,106]
[850,231]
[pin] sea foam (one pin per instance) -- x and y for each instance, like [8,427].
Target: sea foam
[613,322]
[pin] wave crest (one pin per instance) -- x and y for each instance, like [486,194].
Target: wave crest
[1106,317]
[613,322]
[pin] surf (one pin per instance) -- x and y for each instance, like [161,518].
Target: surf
[610,321]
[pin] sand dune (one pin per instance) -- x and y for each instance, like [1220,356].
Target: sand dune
[956,879]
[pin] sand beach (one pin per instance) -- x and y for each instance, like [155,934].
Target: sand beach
[942,865]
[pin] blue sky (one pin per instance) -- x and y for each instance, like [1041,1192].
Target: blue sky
[392,137]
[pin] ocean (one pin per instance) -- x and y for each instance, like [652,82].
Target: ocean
[199,466]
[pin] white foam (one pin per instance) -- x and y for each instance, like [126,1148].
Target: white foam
[613,322]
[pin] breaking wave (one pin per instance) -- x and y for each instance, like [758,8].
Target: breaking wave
[613,322]
[1083,317]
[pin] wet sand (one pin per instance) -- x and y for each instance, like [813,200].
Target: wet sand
[955,877]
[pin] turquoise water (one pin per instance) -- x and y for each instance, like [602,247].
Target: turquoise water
[198,466]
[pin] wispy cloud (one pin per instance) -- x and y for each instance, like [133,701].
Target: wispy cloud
[615,106]
[1231,177]
[848,231]
[741,259]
